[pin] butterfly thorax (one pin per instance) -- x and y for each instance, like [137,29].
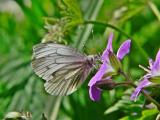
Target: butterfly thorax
[91,60]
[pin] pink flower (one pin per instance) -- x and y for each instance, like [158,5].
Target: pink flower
[153,75]
[110,65]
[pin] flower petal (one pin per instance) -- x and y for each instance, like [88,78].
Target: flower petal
[98,75]
[158,56]
[124,49]
[151,62]
[104,56]
[135,94]
[156,66]
[137,91]
[94,93]
[109,45]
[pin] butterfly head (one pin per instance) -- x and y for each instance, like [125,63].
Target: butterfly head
[92,59]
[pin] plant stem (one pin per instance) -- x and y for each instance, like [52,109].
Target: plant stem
[121,31]
[107,25]
[154,9]
[87,30]
[142,91]
[56,108]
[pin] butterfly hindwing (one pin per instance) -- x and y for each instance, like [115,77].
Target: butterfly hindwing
[66,84]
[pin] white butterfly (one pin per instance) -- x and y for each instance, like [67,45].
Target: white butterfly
[63,68]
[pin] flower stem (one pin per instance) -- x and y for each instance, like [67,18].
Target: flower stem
[142,91]
[107,25]
[154,9]
[120,31]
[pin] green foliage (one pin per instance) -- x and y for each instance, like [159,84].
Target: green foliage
[23,26]
[59,28]
[71,12]
[149,114]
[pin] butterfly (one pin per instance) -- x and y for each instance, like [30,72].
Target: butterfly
[63,68]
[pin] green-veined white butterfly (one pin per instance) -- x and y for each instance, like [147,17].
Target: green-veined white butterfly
[63,68]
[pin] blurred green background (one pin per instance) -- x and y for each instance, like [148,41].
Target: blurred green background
[22,26]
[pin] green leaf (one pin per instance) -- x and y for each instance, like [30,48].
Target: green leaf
[128,118]
[149,114]
[124,101]
[71,12]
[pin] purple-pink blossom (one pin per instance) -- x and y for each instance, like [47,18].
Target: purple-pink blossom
[108,67]
[153,75]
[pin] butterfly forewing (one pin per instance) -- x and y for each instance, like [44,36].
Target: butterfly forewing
[63,68]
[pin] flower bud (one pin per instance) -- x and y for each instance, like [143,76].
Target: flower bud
[155,79]
[115,62]
[105,84]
